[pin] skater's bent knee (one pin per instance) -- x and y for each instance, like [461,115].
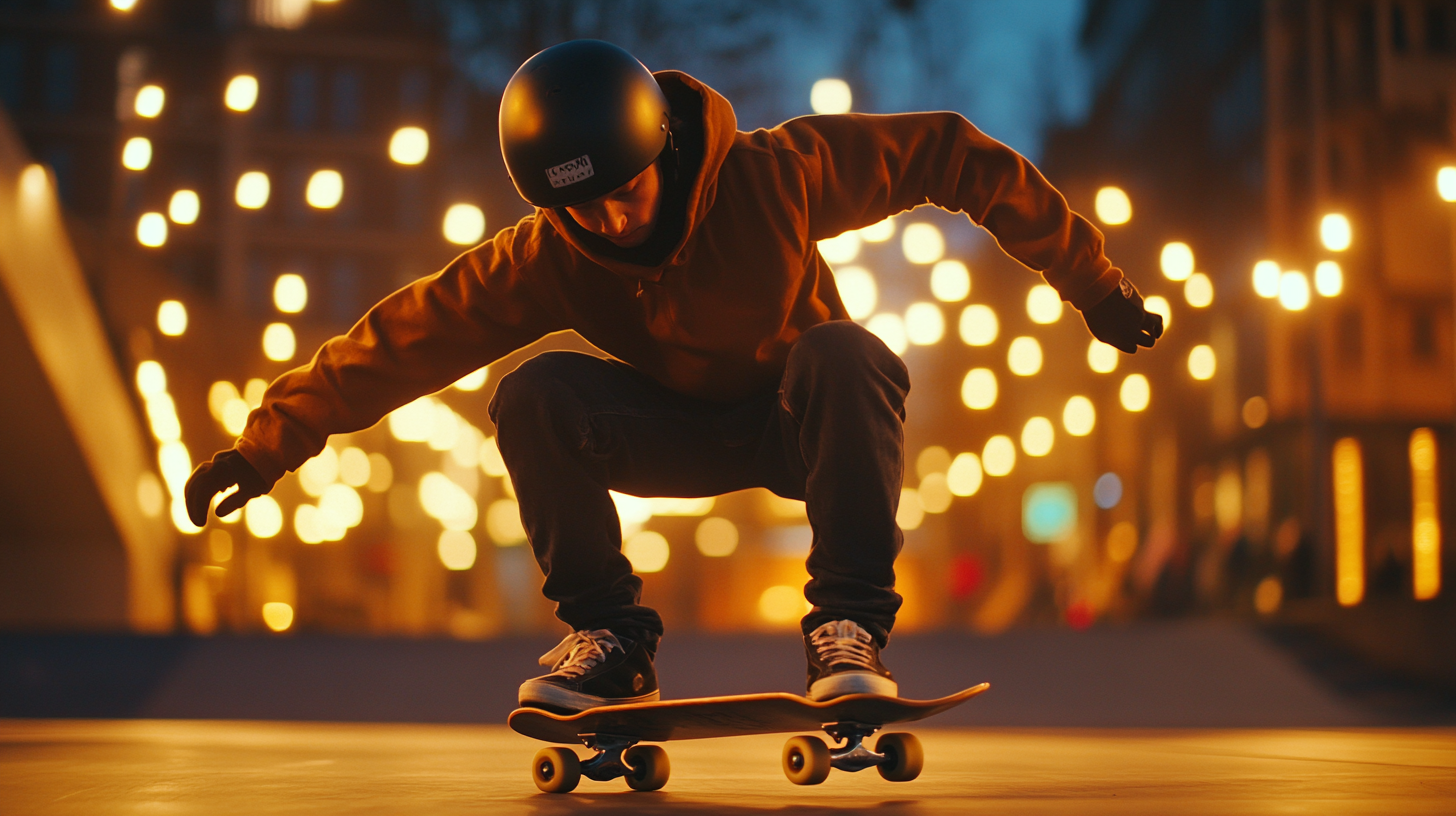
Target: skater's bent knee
[843,346]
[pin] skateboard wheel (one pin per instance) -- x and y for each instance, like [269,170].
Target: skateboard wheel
[556,770]
[806,760]
[903,756]
[648,767]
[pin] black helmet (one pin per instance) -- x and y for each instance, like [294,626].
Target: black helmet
[579,120]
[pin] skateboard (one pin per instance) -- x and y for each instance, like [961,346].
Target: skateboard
[614,733]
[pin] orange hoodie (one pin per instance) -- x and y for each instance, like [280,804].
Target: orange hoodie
[717,317]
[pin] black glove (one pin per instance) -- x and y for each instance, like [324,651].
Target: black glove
[1120,321]
[226,469]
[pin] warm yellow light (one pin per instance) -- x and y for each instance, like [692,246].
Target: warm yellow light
[1293,291]
[924,324]
[858,291]
[409,145]
[279,344]
[964,476]
[123,5]
[716,537]
[933,459]
[1202,362]
[464,224]
[1255,412]
[1266,279]
[278,616]
[1079,416]
[185,207]
[842,248]
[175,463]
[911,512]
[503,523]
[151,379]
[782,604]
[1043,304]
[648,551]
[998,457]
[978,389]
[879,232]
[263,517]
[252,191]
[242,93]
[1122,542]
[152,229]
[136,154]
[978,325]
[235,416]
[290,293]
[150,100]
[150,497]
[447,502]
[1158,305]
[1335,232]
[218,396]
[890,328]
[456,549]
[1329,279]
[934,493]
[1268,596]
[1349,489]
[1101,357]
[1037,436]
[474,381]
[1113,206]
[830,96]
[1198,290]
[1023,356]
[1425,516]
[950,281]
[1446,183]
[1177,261]
[316,474]
[172,318]
[253,391]
[325,190]
[162,418]
[341,507]
[922,243]
[354,468]
[1135,393]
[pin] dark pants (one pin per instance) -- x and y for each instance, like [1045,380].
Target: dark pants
[571,426]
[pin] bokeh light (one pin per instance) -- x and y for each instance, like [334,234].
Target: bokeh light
[290,293]
[1043,304]
[152,229]
[1107,491]
[978,389]
[409,145]
[858,291]
[1135,393]
[456,549]
[241,93]
[840,249]
[263,517]
[464,224]
[150,99]
[1122,542]
[647,550]
[1176,261]
[1079,416]
[474,381]
[922,243]
[1293,290]
[278,616]
[1329,279]
[1255,412]
[879,232]
[137,153]
[253,190]
[1446,183]
[1037,436]
[716,537]
[1023,356]
[279,343]
[325,189]
[978,325]
[831,95]
[1112,206]
[998,457]
[1266,279]
[782,604]
[950,281]
[1335,232]
[1198,290]
[890,328]
[924,324]
[1158,305]
[1101,357]
[185,207]
[1201,362]
[172,318]
[911,512]
[964,476]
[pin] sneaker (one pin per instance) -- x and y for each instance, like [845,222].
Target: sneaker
[592,668]
[844,659]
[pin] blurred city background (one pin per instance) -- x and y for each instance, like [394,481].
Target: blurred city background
[195,195]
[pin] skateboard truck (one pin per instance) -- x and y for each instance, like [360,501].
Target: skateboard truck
[852,756]
[607,764]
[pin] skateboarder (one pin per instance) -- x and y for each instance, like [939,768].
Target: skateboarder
[685,249]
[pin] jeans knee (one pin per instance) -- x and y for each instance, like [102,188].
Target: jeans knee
[843,349]
[536,390]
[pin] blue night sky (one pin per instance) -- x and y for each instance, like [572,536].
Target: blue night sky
[1010,66]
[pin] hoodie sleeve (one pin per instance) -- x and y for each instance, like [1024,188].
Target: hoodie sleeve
[416,341]
[862,168]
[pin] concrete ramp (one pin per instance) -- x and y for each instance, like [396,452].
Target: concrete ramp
[76,551]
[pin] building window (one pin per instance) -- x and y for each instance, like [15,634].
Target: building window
[348,99]
[302,97]
[1438,28]
[1399,29]
[60,79]
[1423,334]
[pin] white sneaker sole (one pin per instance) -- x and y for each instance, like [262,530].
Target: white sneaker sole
[852,682]
[536,693]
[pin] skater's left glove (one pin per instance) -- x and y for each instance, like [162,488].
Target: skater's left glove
[1120,320]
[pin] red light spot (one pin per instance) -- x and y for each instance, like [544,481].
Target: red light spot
[1080,615]
[966,574]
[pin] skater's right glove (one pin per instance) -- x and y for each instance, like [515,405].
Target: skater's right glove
[226,469]
[1120,320]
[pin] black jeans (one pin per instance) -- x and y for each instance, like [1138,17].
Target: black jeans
[571,426]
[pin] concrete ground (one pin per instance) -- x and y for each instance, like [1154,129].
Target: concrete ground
[86,768]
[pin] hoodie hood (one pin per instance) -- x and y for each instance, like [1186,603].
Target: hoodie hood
[719,126]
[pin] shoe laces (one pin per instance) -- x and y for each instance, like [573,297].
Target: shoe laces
[843,641]
[580,651]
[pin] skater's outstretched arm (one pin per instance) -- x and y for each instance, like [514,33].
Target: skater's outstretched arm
[414,342]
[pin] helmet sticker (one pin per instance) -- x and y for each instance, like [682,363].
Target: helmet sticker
[571,172]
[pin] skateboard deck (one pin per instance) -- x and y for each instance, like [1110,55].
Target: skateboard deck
[613,733]
[737,715]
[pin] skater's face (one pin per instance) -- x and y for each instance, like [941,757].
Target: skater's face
[626,215]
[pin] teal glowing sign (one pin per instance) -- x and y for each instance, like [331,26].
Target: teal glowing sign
[1049,512]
